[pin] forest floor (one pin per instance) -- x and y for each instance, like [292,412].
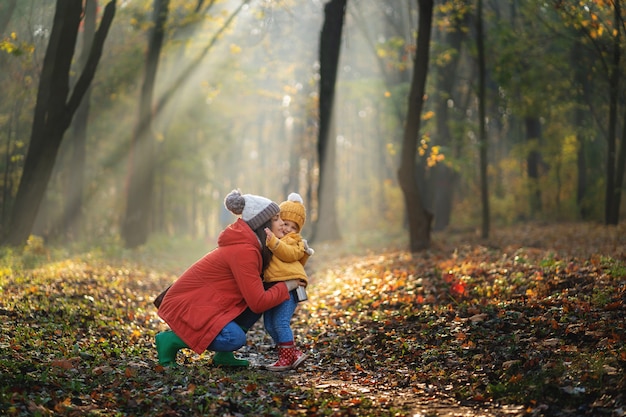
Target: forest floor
[531,322]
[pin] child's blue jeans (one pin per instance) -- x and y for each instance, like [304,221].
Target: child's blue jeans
[277,320]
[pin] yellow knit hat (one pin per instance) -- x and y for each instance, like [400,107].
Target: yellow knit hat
[293,209]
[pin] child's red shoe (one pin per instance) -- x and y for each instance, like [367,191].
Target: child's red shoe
[289,357]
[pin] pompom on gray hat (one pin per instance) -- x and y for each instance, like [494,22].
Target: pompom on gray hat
[254,209]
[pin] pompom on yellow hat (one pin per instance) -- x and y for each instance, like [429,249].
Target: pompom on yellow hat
[293,209]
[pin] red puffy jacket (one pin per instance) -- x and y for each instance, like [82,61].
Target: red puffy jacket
[219,287]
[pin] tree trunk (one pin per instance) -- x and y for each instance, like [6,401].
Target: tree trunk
[578,121]
[141,166]
[326,228]
[6,11]
[581,188]
[443,176]
[611,215]
[619,174]
[71,221]
[53,114]
[484,185]
[9,164]
[533,159]
[135,230]
[613,208]
[419,218]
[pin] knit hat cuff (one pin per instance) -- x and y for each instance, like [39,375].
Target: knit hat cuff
[263,216]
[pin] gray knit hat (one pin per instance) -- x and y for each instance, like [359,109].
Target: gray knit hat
[254,209]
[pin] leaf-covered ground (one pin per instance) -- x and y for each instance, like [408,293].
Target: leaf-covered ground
[531,322]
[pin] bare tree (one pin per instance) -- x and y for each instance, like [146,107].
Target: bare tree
[54,111]
[136,227]
[420,219]
[326,229]
[615,162]
[137,222]
[70,224]
[484,189]
[444,178]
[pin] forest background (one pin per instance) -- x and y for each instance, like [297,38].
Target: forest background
[515,142]
[236,100]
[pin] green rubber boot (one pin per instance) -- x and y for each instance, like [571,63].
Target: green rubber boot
[228,359]
[168,344]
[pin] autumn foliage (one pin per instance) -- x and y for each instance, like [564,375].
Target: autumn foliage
[530,323]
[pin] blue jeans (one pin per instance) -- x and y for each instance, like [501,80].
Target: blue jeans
[277,320]
[233,335]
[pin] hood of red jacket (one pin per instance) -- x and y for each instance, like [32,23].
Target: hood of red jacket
[237,233]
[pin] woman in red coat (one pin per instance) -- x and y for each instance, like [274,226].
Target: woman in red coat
[214,302]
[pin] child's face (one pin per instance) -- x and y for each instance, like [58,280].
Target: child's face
[290,227]
[277,226]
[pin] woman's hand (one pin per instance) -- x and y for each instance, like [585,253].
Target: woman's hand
[292,284]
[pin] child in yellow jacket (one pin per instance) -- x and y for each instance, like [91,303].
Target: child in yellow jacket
[290,253]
